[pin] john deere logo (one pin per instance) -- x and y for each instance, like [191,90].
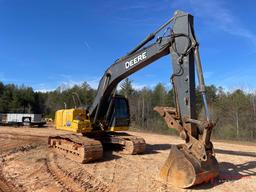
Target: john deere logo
[68,123]
[136,60]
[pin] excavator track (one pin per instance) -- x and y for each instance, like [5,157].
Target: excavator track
[130,145]
[76,147]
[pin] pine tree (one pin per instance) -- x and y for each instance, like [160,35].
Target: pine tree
[126,88]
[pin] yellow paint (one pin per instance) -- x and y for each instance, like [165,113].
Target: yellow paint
[74,120]
[125,128]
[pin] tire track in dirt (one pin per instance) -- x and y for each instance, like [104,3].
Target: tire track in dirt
[142,173]
[12,149]
[122,174]
[6,186]
[70,181]
[9,186]
[58,175]
[9,142]
[24,148]
[20,136]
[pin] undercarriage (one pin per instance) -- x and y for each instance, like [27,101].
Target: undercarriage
[87,149]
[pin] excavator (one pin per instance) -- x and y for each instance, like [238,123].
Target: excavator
[188,164]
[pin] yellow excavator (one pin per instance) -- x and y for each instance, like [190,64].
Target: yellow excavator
[102,124]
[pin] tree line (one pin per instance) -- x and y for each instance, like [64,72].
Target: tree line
[234,112]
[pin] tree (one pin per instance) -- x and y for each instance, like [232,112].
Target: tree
[235,110]
[159,95]
[7,98]
[126,88]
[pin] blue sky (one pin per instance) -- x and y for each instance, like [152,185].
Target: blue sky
[47,43]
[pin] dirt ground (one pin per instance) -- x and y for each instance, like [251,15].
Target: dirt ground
[27,164]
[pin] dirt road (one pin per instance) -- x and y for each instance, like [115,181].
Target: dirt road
[27,164]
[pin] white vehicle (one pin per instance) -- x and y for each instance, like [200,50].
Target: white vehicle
[22,119]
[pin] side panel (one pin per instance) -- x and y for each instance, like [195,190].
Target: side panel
[58,121]
[72,120]
[36,117]
[67,117]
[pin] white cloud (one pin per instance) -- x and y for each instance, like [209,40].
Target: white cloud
[64,81]
[236,80]
[70,83]
[216,14]
[43,90]
[139,86]
[42,87]
[94,83]
[87,44]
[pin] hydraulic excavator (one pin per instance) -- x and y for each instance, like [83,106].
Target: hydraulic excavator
[188,164]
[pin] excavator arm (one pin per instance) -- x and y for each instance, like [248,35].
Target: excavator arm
[190,163]
[179,42]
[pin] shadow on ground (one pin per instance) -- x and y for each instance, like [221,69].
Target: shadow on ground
[150,149]
[239,153]
[155,148]
[230,172]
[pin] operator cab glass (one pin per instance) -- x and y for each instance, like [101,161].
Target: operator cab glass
[121,116]
[121,109]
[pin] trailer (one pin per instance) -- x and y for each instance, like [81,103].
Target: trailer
[22,119]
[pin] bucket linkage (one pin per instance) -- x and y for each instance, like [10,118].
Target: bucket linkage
[191,163]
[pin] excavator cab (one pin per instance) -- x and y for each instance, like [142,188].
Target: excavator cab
[119,115]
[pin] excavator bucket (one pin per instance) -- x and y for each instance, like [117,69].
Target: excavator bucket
[183,170]
[191,163]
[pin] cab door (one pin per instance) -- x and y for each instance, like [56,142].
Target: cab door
[120,118]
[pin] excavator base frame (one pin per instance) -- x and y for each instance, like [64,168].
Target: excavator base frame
[129,144]
[83,149]
[78,148]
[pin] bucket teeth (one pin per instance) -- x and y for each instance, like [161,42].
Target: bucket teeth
[183,170]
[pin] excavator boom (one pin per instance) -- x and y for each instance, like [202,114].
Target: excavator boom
[188,164]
